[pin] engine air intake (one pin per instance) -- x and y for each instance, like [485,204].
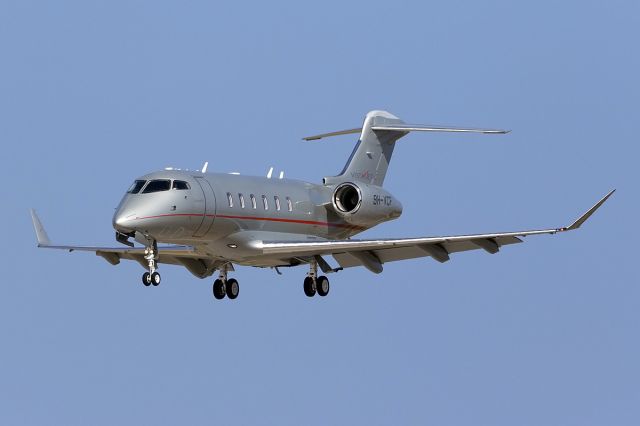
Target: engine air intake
[347,198]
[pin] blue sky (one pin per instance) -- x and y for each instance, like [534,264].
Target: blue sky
[93,94]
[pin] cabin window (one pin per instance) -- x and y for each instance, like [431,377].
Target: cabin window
[230,199]
[253,201]
[157,186]
[277,201]
[241,198]
[289,204]
[265,203]
[136,186]
[181,185]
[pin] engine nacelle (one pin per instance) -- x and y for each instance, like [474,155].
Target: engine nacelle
[364,205]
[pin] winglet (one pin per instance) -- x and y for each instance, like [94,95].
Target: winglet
[41,234]
[582,219]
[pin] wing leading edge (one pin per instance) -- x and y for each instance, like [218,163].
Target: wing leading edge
[373,253]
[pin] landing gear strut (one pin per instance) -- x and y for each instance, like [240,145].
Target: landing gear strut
[151,255]
[314,284]
[225,287]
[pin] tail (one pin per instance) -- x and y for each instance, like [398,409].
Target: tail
[370,158]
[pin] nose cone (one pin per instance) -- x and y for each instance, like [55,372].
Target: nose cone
[122,220]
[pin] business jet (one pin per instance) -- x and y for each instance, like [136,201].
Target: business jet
[208,222]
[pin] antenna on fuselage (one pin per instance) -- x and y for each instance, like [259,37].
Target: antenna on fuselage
[269,173]
[204,168]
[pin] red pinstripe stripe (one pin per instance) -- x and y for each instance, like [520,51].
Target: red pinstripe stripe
[266,219]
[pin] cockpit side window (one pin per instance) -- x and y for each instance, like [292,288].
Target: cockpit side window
[180,184]
[157,186]
[136,186]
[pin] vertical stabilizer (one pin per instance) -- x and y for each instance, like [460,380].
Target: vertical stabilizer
[370,158]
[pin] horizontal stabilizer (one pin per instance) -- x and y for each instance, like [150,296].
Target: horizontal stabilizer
[405,128]
[425,128]
[338,133]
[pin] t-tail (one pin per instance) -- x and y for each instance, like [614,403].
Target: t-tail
[371,156]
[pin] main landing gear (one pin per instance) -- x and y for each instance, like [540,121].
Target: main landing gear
[314,284]
[151,277]
[225,287]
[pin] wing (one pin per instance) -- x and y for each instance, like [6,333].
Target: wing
[186,256]
[372,254]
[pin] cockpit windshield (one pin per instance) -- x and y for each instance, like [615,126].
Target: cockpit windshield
[180,184]
[136,186]
[157,186]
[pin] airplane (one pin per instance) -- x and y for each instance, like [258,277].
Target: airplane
[212,221]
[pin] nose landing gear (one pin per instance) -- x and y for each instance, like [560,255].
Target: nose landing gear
[225,287]
[151,255]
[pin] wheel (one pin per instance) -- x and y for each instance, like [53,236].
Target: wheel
[322,285]
[309,287]
[146,279]
[233,288]
[218,289]
[155,279]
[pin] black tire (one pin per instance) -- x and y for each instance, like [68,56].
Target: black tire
[309,287]
[218,289]
[146,279]
[155,279]
[322,286]
[233,288]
